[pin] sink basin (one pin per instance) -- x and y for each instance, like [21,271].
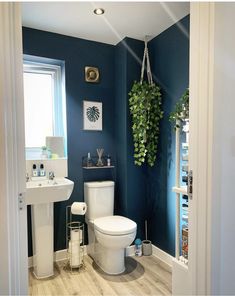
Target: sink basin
[46,191]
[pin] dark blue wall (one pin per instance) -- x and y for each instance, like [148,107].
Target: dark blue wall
[131,180]
[78,53]
[169,54]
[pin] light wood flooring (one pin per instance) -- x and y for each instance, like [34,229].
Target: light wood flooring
[143,276]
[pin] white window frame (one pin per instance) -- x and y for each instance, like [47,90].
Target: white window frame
[56,69]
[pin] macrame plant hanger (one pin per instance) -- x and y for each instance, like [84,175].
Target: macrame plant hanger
[146,60]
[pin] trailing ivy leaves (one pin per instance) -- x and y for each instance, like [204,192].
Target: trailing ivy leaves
[181,111]
[145,109]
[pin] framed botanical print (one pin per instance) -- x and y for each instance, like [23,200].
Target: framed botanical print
[92,116]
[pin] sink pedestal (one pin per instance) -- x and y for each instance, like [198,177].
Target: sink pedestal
[41,195]
[43,239]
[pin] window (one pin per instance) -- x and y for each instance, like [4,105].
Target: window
[44,104]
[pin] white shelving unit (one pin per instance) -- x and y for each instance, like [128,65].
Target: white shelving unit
[180,275]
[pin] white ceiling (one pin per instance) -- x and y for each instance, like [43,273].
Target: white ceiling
[121,19]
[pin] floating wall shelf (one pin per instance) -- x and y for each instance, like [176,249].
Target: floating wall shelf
[93,162]
[96,167]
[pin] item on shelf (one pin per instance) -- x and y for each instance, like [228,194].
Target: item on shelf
[185,197]
[89,162]
[185,243]
[184,145]
[185,168]
[185,218]
[186,126]
[185,157]
[184,205]
[185,179]
[100,153]
[108,161]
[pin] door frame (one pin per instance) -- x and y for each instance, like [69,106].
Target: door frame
[13,236]
[200,148]
[13,215]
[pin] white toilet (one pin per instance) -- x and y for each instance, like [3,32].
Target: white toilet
[108,235]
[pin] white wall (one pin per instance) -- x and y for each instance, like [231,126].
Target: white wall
[223,167]
[58,166]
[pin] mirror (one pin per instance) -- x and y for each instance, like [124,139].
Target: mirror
[45,112]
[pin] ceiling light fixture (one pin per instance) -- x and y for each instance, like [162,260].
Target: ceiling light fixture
[99,11]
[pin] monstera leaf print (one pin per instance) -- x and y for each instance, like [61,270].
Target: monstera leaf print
[93,113]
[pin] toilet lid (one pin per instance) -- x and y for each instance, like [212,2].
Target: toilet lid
[115,225]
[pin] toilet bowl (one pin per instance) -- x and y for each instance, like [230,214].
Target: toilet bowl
[108,235]
[114,234]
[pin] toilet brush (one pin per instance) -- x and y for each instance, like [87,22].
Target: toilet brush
[147,244]
[146,229]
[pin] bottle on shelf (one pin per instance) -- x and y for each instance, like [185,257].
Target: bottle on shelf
[89,160]
[108,161]
[185,179]
[185,198]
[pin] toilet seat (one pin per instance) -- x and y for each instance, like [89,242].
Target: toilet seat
[115,225]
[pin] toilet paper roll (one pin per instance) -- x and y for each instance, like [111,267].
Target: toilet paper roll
[75,254]
[76,235]
[78,208]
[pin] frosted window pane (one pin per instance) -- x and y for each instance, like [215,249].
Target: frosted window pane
[38,99]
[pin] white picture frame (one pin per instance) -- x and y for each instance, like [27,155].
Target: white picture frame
[92,116]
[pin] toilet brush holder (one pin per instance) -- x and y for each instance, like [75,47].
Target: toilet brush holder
[147,247]
[146,244]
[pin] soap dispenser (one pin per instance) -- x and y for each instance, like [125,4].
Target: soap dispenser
[42,171]
[35,171]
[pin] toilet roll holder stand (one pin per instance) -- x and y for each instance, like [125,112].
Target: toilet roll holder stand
[74,242]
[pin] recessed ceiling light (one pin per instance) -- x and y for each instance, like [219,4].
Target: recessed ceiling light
[99,11]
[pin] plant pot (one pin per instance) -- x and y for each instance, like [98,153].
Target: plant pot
[147,247]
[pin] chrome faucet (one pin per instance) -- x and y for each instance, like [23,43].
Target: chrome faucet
[27,177]
[51,175]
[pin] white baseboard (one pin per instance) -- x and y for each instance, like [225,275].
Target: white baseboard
[161,255]
[60,255]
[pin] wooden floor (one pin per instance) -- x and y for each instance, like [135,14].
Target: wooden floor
[143,276]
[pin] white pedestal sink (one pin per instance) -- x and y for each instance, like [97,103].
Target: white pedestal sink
[41,194]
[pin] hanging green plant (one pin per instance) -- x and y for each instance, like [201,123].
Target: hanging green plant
[145,108]
[181,111]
